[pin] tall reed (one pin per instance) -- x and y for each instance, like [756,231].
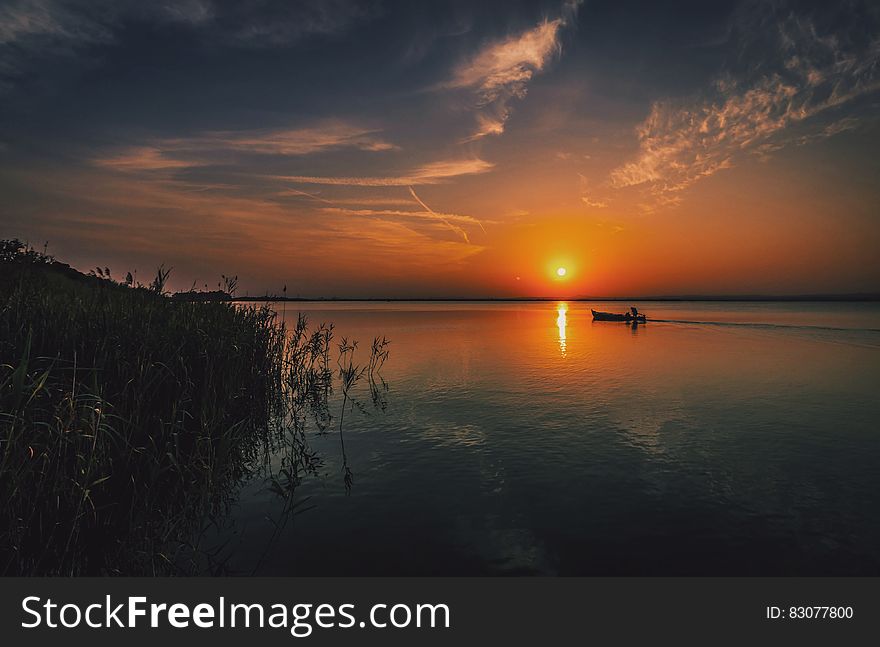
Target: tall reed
[129,419]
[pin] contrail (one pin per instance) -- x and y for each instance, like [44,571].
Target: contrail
[309,195]
[454,228]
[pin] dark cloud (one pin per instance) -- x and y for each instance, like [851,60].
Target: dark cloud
[32,31]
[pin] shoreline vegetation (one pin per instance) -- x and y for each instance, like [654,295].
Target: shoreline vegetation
[129,419]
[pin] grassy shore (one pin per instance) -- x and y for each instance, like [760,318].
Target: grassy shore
[126,417]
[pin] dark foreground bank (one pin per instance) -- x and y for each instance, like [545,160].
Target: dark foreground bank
[126,418]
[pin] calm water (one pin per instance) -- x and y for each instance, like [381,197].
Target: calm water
[522,438]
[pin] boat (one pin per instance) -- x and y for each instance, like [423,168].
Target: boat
[630,317]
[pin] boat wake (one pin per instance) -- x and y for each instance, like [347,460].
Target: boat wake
[768,326]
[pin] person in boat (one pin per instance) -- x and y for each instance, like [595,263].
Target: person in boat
[635,312]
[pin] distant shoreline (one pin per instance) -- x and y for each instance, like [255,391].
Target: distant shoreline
[816,298]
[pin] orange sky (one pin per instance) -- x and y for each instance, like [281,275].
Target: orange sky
[461,162]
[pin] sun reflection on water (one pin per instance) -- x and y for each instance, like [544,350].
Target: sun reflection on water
[561,310]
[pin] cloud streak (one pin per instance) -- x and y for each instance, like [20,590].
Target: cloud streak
[298,141]
[433,173]
[207,148]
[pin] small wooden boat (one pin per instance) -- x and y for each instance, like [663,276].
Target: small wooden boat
[629,317]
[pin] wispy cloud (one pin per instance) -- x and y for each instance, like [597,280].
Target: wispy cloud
[587,195]
[446,221]
[142,158]
[340,206]
[205,148]
[591,202]
[26,19]
[261,24]
[433,173]
[297,141]
[427,214]
[257,23]
[501,71]
[32,29]
[381,201]
[809,74]
[167,218]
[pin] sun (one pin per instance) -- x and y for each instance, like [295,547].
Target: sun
[560,272]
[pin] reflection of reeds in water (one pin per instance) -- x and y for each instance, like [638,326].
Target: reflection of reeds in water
[349,374]
[308,388]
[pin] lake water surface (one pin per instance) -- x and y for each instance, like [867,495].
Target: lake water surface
[523,438]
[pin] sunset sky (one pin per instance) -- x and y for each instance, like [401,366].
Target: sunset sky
[469,149]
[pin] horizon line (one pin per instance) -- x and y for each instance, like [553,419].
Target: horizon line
[854,297]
